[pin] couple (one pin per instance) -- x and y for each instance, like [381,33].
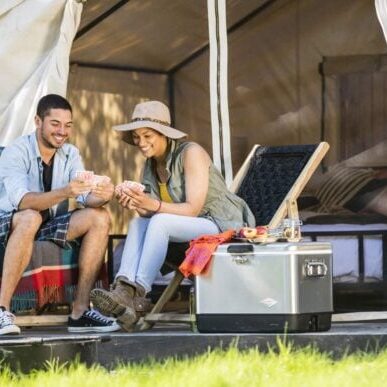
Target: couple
[185,197]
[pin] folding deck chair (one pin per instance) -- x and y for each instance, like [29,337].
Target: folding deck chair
[270,181]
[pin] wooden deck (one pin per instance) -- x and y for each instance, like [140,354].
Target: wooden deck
[37,345]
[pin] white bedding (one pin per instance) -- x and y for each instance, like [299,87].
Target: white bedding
[345,250]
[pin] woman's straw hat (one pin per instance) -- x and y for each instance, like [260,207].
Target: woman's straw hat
[150,114]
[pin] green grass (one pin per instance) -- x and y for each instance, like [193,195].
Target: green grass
[289,367]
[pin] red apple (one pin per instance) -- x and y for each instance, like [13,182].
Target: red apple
[261,230]
[248,232]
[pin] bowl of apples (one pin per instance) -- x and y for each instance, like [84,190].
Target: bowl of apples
[257,234]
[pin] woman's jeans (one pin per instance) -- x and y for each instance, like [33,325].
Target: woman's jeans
[146,244]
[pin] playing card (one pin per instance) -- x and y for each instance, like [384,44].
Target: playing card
[98,179]
[128,184]
[118,189]
[84,175]
[131,185]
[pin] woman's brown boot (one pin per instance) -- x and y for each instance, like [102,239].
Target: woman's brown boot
[141,304]
[118,302]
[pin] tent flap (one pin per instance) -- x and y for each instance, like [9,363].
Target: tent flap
[36,40]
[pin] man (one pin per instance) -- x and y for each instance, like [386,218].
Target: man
[37,179]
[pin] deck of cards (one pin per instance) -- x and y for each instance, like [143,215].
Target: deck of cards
[90,177]
[86,176]
[98,179]
[129,184]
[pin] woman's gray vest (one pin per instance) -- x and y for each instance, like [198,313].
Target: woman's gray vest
[226,209]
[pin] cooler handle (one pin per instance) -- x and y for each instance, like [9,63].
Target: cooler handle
[315,269]
[240,248]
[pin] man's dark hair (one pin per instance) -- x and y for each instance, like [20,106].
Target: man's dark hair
[52,101]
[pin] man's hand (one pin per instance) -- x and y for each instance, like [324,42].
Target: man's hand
[77,187]
[103,191]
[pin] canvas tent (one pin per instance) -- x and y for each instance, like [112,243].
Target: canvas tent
[298,71]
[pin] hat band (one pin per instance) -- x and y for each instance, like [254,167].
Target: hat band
[151,119]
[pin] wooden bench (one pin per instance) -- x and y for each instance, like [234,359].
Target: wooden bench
[49,282]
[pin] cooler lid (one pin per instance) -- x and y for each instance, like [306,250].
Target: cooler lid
[274,248]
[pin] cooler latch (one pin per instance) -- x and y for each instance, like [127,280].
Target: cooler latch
[240,259]
[315,269]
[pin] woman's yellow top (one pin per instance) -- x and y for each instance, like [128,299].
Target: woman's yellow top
[164,194]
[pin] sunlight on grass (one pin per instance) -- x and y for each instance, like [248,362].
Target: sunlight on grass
[289,367]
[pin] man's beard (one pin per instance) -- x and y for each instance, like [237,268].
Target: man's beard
[48,144]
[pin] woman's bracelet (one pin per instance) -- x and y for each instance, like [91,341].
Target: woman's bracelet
[158,208]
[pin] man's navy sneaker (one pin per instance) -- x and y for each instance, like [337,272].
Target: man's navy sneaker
[92,321]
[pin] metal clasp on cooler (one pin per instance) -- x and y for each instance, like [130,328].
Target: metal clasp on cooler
[315,269]
[240,259]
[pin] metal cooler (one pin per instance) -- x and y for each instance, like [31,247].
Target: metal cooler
[277,287]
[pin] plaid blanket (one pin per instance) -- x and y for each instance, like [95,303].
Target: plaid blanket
[50,277]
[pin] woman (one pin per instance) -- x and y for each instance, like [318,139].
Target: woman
[184,197]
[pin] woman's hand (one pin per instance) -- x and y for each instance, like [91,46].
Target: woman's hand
[144,213]
[123,199]
[137,200]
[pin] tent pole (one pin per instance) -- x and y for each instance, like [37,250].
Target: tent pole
[323,108]
[220,127]
[107,66]
[233,28]
[171,97]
